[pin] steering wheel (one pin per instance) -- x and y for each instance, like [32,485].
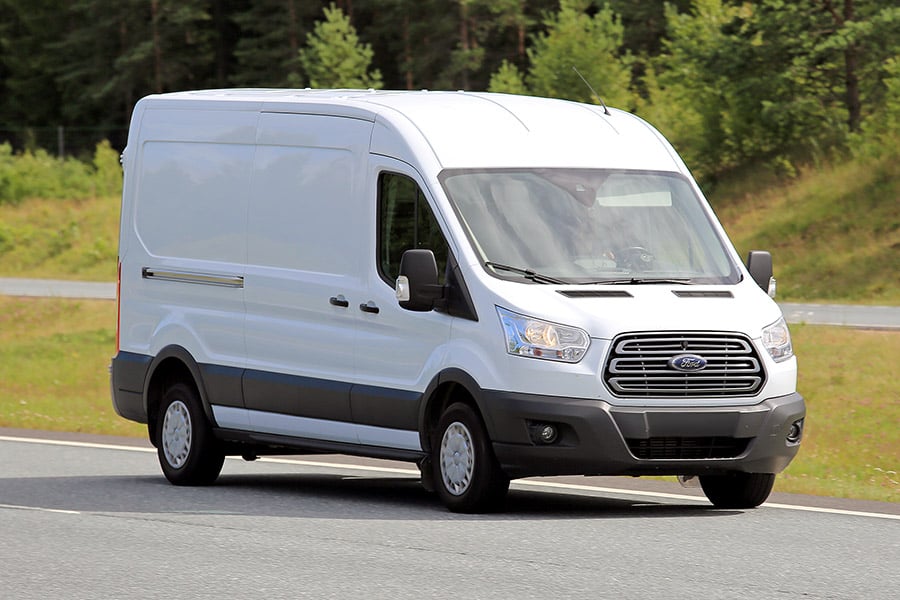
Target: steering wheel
[636,258]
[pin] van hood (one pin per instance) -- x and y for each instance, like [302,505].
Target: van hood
[606,311]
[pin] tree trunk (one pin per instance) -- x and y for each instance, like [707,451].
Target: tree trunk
[221,49]
[520,47]
[464,41]
[851,64]
[407,53]
[851,76]
[157,46]
[293,42]
[346,7]
[127,88]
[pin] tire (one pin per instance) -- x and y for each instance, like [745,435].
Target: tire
[737,490]
[188,453]
[467,476]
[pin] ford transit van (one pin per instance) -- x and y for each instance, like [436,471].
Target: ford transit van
[489,286]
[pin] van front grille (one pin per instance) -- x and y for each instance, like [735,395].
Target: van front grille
[641,366]
[687,448]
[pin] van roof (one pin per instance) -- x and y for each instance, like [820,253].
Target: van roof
[470,129]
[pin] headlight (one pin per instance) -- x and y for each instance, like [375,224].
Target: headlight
[526,336]
[777,340]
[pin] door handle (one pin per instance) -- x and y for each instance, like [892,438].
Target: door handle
[369,307]
[339,300]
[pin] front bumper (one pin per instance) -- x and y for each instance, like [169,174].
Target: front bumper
[597,438]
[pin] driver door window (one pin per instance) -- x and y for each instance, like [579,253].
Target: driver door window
[405,221]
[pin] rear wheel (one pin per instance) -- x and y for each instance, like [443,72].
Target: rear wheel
[467,476]
[188,452]
[737,490]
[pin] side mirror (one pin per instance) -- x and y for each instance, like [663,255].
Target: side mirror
[759,263]
[417,285]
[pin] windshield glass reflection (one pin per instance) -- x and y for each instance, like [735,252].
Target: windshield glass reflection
[585,225]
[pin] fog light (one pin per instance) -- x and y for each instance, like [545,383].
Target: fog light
[548,434]
[795,432]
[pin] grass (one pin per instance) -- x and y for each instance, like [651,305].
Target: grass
[54,357]
[60,239]
[53,376]
[834,233]
[851,444]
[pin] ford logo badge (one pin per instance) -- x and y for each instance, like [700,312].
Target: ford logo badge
[687,363]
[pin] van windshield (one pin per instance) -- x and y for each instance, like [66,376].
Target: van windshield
[588,226]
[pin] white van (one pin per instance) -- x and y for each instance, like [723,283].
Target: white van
[490,286]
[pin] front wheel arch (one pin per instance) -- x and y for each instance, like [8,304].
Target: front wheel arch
[449,386]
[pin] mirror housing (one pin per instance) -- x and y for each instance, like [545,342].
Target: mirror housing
[417,285]
[759,263]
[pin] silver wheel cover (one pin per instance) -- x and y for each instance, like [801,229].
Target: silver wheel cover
[457,458]
[177,434]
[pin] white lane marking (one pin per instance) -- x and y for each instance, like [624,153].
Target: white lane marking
[47,442]
[833,511]
[576,487]
[415,472]
[41,509]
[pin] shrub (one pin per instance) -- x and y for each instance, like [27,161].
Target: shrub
[37,174]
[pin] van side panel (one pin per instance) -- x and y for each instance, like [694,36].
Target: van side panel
[183,279]
[193,201]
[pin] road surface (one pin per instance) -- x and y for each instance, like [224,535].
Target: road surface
[97,520]
[57,288]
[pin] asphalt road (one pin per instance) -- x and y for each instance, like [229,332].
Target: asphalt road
[872,317]
[57,288]
[89,520]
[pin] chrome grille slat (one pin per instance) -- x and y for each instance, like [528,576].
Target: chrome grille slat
[638,365]
[661,369]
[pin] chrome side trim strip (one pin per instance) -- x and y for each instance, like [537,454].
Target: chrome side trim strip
[317,429]
[231,281]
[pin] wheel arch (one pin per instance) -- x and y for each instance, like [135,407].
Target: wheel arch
[171,364]
[449,386]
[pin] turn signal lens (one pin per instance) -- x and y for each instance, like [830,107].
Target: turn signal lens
[776,339]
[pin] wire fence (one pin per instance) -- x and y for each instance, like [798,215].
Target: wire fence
[63,140]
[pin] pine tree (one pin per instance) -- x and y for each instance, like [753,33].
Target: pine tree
[411,40]
[507,80]
[115,52]
[271,35]
[573,39]
[335,58]
[29,95]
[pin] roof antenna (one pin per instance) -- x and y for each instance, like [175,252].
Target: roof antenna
[596,95]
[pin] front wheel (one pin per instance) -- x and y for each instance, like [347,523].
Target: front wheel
[737,490]
[188,452]
[467,476]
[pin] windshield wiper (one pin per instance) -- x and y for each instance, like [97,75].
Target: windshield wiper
[641,281]
[527,273]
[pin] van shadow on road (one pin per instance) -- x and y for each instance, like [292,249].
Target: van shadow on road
[313,496]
